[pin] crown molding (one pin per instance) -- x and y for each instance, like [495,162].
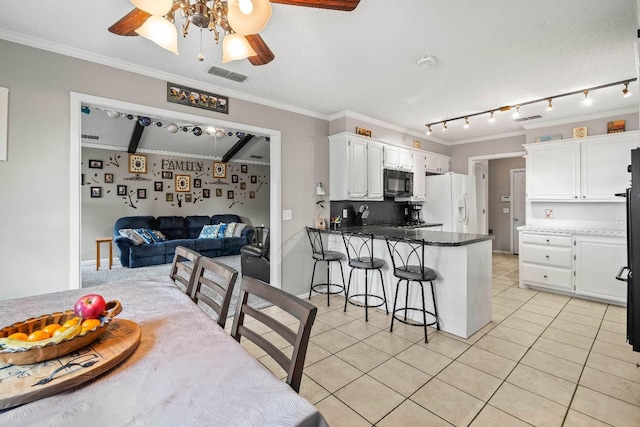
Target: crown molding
[487,138]
[582,118]
[386,125]
[149,72]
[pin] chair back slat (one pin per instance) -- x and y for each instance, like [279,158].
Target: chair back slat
[359,247]
[406,252]
[315,237]
[222,286]
[184,263]
[303,311]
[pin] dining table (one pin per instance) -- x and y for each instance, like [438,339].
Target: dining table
[185,371]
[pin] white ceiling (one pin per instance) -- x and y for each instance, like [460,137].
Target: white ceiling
[489,54]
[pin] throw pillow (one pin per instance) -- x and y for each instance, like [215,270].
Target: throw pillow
[221,230]
[131,235]
[158,236]
[237,232]
[229,231]
[209,232]
[144,234]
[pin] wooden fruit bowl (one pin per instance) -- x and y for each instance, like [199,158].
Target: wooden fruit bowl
[36,354]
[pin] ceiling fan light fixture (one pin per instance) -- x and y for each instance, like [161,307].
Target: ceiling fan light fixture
[235,46]
[154,7]
[248,16]
[161,32]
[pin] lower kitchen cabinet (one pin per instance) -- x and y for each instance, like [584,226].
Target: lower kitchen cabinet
[574,264]
[598,260]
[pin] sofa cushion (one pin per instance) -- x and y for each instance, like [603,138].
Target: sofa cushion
[194,225]
[209,232]
[230,229]
[171,245]
[204,245]
[172,226]
[237,232]
[157,235]
[145,234]
[135,222]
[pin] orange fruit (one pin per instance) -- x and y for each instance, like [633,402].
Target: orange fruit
[50,329]
[59,331]
[71,322]
[18,336]
[38,336]
[89,324]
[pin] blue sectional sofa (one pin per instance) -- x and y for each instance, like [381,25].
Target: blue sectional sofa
[179,231]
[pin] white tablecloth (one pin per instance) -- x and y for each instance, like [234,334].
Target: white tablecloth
[186,370]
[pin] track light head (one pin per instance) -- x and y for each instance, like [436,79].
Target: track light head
[428,129]
[466,122]
[444,126]
[516,113]
[586,100]
[491,118]
[626,92]
[549,106]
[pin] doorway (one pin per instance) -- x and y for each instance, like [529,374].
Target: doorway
[75,210]
[517,208]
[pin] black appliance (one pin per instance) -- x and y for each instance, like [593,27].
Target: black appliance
[398,183]
[633,253]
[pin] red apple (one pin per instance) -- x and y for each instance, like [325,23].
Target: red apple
[89,306]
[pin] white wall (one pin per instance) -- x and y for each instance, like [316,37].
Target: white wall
[35,209]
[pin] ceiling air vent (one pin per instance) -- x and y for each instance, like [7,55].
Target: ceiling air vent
[524,119]
[85,136]
[230,75]
[254,156]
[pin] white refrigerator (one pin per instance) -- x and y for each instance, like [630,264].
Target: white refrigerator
[451,200]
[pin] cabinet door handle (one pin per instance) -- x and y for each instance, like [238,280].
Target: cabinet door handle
[547,240]
[547,256]
[545,276]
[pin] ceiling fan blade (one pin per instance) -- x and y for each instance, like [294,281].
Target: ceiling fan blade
[264,54]
[346,5]
[128,24]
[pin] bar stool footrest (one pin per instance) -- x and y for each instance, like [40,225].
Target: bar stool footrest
[325,288]
[358,304]
[414,322]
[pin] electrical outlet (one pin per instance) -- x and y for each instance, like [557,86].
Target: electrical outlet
[286,215]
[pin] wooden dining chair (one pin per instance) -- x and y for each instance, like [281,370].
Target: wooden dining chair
[298,308]
[183,266]
[213,280]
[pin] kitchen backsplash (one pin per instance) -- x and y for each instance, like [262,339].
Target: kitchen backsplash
[385,212]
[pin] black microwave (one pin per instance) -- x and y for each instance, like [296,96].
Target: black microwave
[398,183]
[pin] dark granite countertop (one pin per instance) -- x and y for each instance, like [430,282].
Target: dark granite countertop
[432,238]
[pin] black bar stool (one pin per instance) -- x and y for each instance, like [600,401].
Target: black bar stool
[407,257]
[360,254]
[319,254]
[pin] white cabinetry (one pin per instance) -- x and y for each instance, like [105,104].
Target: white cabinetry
[588,169]
[419,185]
[546,261]
[356,168]
[598,260]
[437,163]
[398,158]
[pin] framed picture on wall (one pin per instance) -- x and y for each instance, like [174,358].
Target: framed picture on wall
[206,193]
[122,190]
[230,194]
[187,198]
[234,178]
[167,175]
[219,170]
[142,193]
[183,183]
[158,185]
[243,185]
[197,183]
[169,197]
[95,164]
[254,179]
[108,178]
[96,191]
[137,163]
[218,192]
[243,168]
[252,194]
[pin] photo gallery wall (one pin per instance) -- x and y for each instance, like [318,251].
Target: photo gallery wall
[135,179]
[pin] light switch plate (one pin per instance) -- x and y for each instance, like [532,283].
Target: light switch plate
[505,210]
[286,215]
[344,213]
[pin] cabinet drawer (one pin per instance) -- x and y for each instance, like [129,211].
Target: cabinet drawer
[547,255]
[540,275]
[546,239]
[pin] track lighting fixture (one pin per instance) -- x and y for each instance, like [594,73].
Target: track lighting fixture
[516,113]
[549,100]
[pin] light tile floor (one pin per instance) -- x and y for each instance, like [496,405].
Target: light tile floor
[545,359]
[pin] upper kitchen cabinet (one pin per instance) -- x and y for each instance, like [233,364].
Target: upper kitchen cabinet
[397,158]
[588,169]
[419,184]
[437,163]
[355,168]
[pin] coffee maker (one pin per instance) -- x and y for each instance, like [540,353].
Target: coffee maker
[413,214]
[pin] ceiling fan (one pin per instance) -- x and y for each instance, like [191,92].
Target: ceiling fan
[239,21]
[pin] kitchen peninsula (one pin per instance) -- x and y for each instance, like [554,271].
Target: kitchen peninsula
[463,263]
